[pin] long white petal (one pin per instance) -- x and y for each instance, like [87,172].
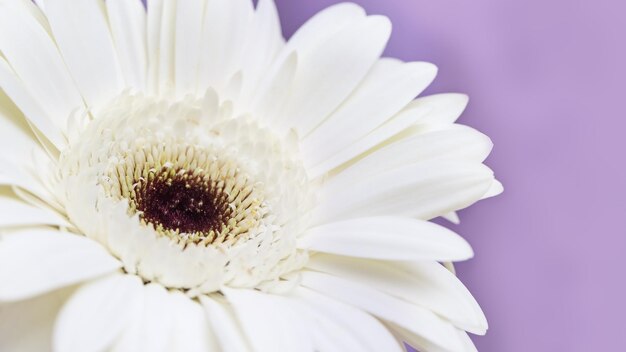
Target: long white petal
[17,142]
[225,324]
[409,316]
[151,327]
[226,26]
[387,238]
[441,108]
[323,26]
[444,108]
[272,94]
[81,30]
[34,112]
[424,190]
[191,326]
[27,326]
[22,176]
[347,328]
[153,42]
[330,71]
[454,142]
[127,19]
[269,321]
[36,261]
[189,16]
[387,88]
[97,313]
[427,284]
[18,213]
[495,189]
[264,43]
[36,60]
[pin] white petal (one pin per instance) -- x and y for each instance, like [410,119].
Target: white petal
[226,26]
[17,213]
[225,325]
[427,284]
[453,217]
[495,189]
[444,108]
[33,111]
[273,92]
[127,19]
[387,238]
[455,142]
[347,327]
[323,26]
[153,42]
[189,16]
[150,328]
[414,318]
[166,46]
[424,190]
[35,59]
[16,138]
[263,44]
[27,183]
[330,71]
[13,174]
[388,88]
[97,314]
[191,327]
[82,33]
[26,326]
[270,321]
[37,261]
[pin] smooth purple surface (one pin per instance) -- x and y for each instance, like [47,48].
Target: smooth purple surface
[547,81]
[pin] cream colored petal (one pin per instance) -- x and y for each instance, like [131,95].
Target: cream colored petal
[387,88]
[416,319]
[270,321]
[427,284]
[330,71]
[97,314]
[150,328]
[82,34]
[192,331]
[224,324]
[345,328]
[387,238]
[27,326]
[424,190]
[33,110]
[34,57]
[36,261]
[127,19]
[17,213]
[441,108]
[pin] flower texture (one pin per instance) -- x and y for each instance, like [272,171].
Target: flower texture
[182,178]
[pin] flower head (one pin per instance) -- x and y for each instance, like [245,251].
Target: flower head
[181,178]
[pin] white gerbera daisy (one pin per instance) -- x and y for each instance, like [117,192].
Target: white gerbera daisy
[183,179]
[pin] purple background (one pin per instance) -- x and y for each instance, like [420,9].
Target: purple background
[546,80]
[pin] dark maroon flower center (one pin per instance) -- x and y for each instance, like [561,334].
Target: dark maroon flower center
[182,202]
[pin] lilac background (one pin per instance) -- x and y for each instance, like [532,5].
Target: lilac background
[546,80]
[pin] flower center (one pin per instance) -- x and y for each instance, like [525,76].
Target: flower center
[183,202]
[186,193]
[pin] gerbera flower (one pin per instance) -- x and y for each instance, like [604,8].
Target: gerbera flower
[183,179]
